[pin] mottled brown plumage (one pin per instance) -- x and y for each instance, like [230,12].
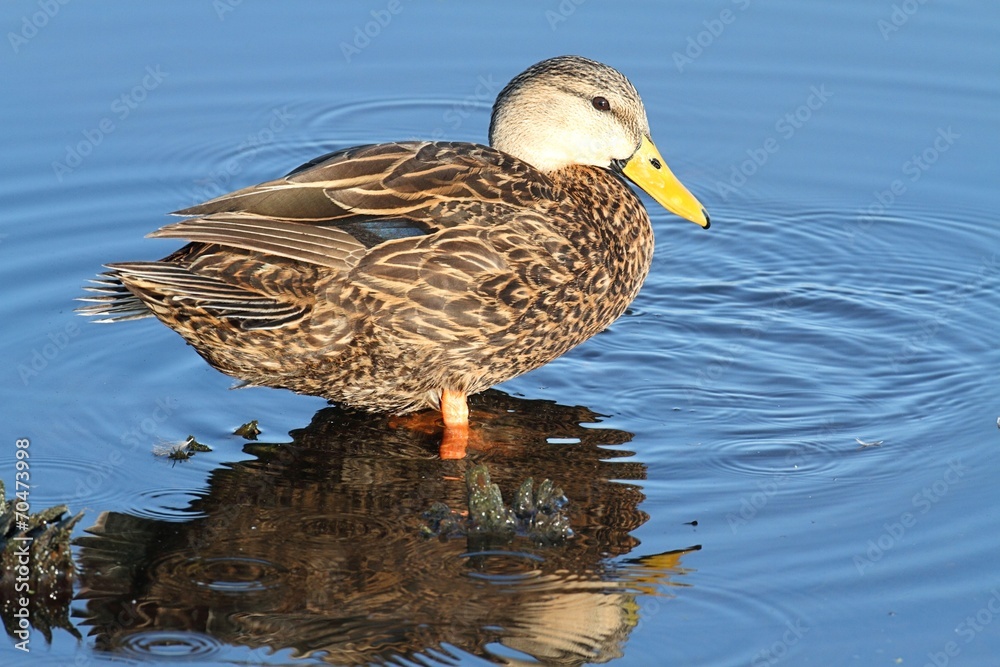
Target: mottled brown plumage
[381,276]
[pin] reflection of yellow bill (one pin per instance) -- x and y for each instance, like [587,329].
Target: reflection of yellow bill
[648,170]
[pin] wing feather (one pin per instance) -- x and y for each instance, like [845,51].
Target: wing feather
[409,180]
[313,244]
[409,222]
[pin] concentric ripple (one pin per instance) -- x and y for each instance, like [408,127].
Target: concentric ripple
[233,575]
[344,526]
[768,457]
[502,567]
[169,645]
[167,504]
[95,482]
[715,603]
[405,118]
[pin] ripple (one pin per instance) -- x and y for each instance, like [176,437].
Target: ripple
[711,604]
[814,437]
[650,401]
[95,482]
[173,505]
[237,575]
[502,567]
[231,575]
[814,337]
[776,456]
[255,152]
[346,526]
[403,118]
[656,321]
[169,645]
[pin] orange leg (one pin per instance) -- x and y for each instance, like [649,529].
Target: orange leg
[455,411]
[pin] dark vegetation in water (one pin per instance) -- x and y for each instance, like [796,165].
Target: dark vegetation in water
[36,568]
[250,430]
[535,514]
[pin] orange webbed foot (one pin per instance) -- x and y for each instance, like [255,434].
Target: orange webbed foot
[457,435]
[455,443]
[455,411]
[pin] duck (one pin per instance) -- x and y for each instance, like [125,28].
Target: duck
[406,276]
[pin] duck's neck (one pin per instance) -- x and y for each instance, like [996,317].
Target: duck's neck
[616,232]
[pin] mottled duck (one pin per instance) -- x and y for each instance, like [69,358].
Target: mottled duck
[400,276]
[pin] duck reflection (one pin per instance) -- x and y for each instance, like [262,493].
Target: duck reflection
[320,546]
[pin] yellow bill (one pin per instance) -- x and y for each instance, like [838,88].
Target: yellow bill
[648,170]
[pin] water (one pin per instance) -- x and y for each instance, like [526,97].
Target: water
[725,511]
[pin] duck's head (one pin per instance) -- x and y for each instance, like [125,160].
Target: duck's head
[570,110]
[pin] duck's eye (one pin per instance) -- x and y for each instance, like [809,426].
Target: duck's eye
[601,103]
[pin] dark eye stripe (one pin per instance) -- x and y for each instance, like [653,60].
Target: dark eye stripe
[601,103]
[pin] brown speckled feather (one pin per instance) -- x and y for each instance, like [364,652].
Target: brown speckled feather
[496,274]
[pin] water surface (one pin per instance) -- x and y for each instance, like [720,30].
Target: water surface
[845,295]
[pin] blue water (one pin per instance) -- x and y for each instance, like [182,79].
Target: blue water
[846,292]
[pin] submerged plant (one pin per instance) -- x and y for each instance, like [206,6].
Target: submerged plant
[36,567]
[536,512]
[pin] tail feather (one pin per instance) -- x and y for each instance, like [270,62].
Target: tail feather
[132,290]
[112,301]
